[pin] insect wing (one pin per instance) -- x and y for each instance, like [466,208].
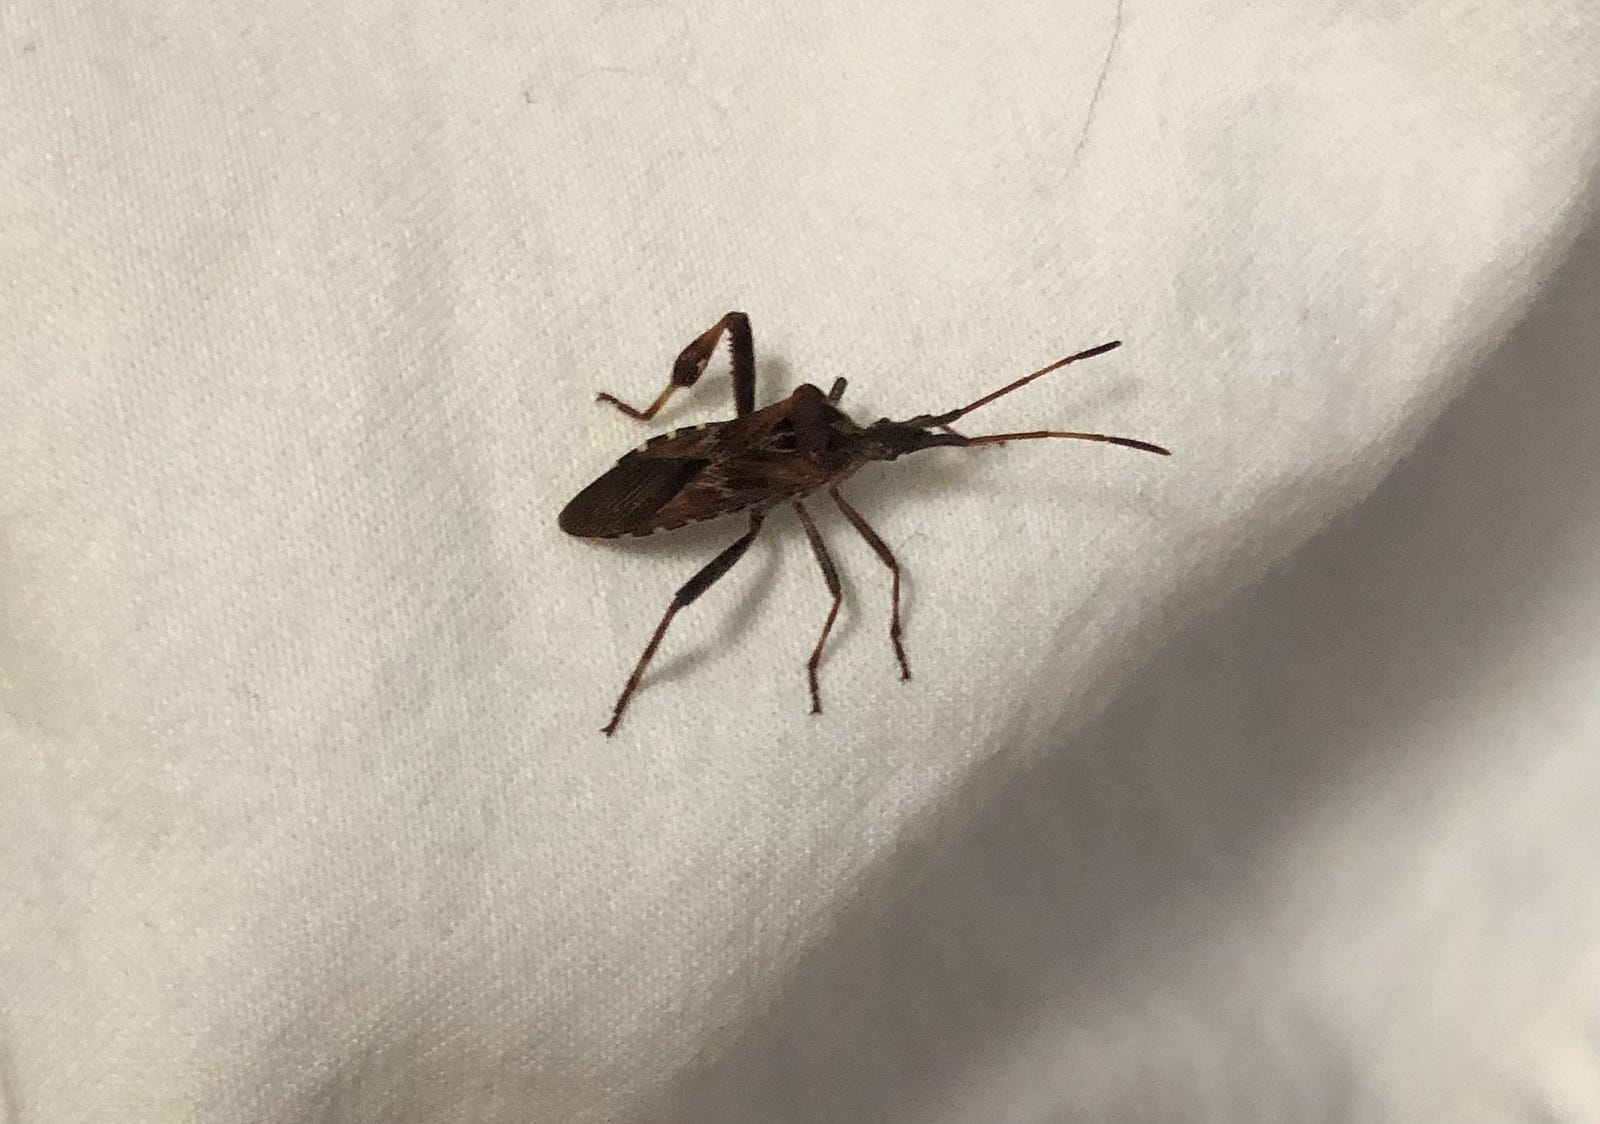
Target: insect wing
[629,498]
[736,483]
[625,500]
[695,474]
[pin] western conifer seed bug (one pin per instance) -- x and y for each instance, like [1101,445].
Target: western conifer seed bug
[760,459]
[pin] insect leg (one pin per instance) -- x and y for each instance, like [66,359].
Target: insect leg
[881,548]
[692,588]
[691,364]
[831,576]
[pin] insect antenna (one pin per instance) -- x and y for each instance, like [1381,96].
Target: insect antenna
[1129,442]
[1026,379]
[943,420]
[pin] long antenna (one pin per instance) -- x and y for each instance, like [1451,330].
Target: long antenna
[1130,442]
[1026,379]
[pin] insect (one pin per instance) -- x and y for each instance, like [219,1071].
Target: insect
[763,458]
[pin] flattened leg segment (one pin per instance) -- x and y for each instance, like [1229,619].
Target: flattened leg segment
[693,588]
[691,364]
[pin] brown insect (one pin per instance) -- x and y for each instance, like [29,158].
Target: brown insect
[760,459]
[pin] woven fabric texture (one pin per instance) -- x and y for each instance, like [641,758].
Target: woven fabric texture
[304,812]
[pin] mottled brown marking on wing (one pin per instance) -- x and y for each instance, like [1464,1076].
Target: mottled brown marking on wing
[734,483]
[699,473]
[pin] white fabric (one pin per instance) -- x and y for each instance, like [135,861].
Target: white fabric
[1329,858]
[302,308]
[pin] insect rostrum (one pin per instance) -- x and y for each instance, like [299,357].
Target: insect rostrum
[760,459]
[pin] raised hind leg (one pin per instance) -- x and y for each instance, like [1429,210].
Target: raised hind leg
[691,364]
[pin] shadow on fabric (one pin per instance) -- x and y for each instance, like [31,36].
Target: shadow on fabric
[1102,944]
